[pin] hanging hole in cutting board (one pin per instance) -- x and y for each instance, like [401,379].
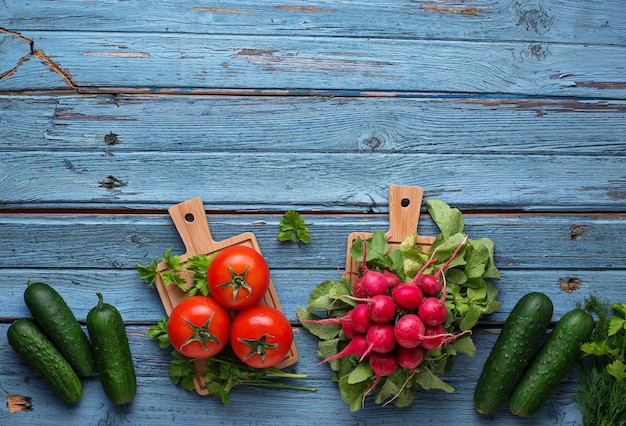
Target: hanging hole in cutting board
[405,202]
[189,218]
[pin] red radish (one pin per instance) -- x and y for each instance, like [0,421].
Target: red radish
[430,262]
[357,288]
[434,337]
[380,339]
[407,296]
[432,311]
[410,358]
[360,319]
[382,365]
[380,308]
[431,284]
[392,279]
[437,336]
[357,347]
[419,277]
[374,282]
[348,330]
[409,331]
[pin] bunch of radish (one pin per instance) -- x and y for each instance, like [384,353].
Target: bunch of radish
[394,323]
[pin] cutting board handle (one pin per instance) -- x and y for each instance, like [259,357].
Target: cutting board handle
[405,203]
[193,228]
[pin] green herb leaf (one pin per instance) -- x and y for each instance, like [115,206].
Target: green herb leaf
[465,345]
[616,324]
[189,276]
[428,380]
[617,369]
[180,370]
[619,309]
[320,299]
[158,331]
[293,228]
[148,272]
[449,220]
[352,394]
[360,373]
[323,331]
[199,264]
[470,319]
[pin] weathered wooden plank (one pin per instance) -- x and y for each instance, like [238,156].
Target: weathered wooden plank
[304,180]
[552,20]
[469,125]
[119,241]
[163,63]
[163,403]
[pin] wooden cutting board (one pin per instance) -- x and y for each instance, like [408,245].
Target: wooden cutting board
[405,203]
[191,223]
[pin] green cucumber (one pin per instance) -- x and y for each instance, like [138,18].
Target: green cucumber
[32,344]
[518,341]
[112,352]
[54,317]
[549,367]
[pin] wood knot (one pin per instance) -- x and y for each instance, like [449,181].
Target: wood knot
[577,231]
[111,139]
[533,18]
[570,285]
[111,182]
[372,142]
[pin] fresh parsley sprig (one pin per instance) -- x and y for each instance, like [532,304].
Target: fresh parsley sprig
[189,276]
[223,371]
[293,228]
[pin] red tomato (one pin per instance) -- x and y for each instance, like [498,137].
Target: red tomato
[198,327]
[261,336]
[238,277]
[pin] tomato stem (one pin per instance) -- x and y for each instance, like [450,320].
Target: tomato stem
[237,281]
[201,334]
[258,346]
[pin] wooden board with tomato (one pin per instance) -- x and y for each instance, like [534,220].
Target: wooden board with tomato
[236,261]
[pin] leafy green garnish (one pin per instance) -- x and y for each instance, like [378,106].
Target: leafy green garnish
[470,295]
[222,372]
[602,386]
[189,276]
[293,228]
[609,343]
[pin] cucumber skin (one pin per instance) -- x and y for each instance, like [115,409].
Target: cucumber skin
[32,344]
[54,317]
[112,353]
[549,367]
[518,341]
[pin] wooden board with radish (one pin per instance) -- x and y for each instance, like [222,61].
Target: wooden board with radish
[426,199]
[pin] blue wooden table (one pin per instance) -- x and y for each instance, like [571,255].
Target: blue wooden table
[110,112]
